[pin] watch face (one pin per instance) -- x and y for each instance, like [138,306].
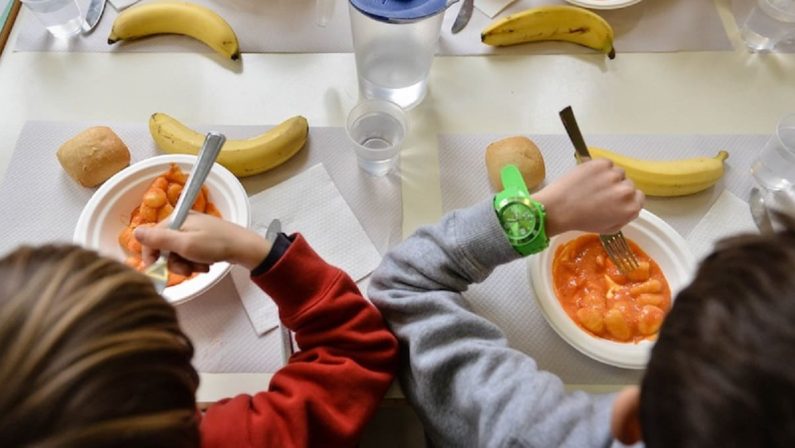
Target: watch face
[518,220]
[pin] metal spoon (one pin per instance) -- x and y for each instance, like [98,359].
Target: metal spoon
[759,211]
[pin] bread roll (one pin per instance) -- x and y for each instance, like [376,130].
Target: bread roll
[519,151]
[93,156]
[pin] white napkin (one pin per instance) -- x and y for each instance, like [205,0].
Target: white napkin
[728,216]
[492,7]
[121,4]
[311,204]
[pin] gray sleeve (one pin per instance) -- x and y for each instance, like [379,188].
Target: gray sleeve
[468,387]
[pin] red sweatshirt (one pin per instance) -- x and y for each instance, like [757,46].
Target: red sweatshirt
[332,387]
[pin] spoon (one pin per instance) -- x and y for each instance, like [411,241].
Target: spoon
[759,211]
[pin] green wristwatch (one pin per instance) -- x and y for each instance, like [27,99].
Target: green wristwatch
[522,218]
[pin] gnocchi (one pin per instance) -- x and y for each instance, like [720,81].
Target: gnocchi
[156,205]
[604,302]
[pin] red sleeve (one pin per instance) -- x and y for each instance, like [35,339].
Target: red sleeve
[332,387]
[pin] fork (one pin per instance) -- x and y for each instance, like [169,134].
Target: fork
[614,244]
[158,271]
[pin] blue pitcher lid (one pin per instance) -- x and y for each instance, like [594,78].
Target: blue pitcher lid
[399,10]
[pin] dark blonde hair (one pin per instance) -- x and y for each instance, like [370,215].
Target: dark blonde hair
[90,355]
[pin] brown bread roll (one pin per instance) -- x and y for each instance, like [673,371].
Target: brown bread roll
[93,156]
[519,151]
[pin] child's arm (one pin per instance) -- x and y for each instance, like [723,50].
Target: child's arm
[329,389]
[468,386]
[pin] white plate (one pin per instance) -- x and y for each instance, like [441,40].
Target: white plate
[660,242]
[603,4]
[108,212]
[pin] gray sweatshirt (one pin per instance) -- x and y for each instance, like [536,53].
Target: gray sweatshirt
[468,387]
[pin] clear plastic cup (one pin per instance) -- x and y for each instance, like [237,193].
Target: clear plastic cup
[376,128]
[393,60]
[770,22]
[62,18]
[774,168]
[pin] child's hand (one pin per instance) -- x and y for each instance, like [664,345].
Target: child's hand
[593,197]
[203,240]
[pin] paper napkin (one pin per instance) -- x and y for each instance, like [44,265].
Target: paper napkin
[121,4]
[492,7]
[311,204]
[728,216]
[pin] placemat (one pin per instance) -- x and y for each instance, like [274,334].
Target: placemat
[506,297]
[46,204]
[742,8]
[290,26]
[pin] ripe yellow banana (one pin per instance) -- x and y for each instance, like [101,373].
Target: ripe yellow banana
[241,157]
[668,177]
[175,17]
[553,22]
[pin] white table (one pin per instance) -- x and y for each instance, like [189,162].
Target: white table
[726,92]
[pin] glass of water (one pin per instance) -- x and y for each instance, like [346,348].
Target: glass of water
[376,128]
[62,18]
[770,22]
[774,168]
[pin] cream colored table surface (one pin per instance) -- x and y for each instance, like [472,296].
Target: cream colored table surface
[679,93]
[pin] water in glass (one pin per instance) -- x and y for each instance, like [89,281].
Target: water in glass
[379,136]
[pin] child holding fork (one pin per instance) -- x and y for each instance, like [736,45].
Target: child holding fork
[721,373]
[92,356]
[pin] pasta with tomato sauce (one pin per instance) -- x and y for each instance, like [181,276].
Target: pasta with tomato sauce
[602,300]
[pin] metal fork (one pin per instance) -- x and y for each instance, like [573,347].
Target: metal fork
[158,271]
[615,244]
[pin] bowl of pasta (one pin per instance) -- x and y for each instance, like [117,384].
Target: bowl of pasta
[610,316]
[144,194]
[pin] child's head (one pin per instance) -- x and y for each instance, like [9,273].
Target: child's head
[91,355]
[722,372]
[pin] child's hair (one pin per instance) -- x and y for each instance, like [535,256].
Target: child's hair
[723,370]
[90,355]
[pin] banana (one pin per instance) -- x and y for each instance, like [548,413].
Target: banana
[668,177]
[242,157]
[553,22]
[175,17]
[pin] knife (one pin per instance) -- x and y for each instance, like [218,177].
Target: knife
[464,14]
[95,10]
[570,123]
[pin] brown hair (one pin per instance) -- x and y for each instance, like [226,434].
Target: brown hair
[91,355]
[723,370]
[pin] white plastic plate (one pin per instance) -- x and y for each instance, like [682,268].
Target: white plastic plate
[108,212]
[660,242]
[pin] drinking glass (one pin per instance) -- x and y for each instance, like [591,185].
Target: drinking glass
[774,168]
[62,18]
[770,22]
[376,128]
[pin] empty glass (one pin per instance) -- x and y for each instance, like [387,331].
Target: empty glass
[770,22]
[62,18]
[376,128]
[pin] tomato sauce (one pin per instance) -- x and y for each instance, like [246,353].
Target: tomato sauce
[604,302]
